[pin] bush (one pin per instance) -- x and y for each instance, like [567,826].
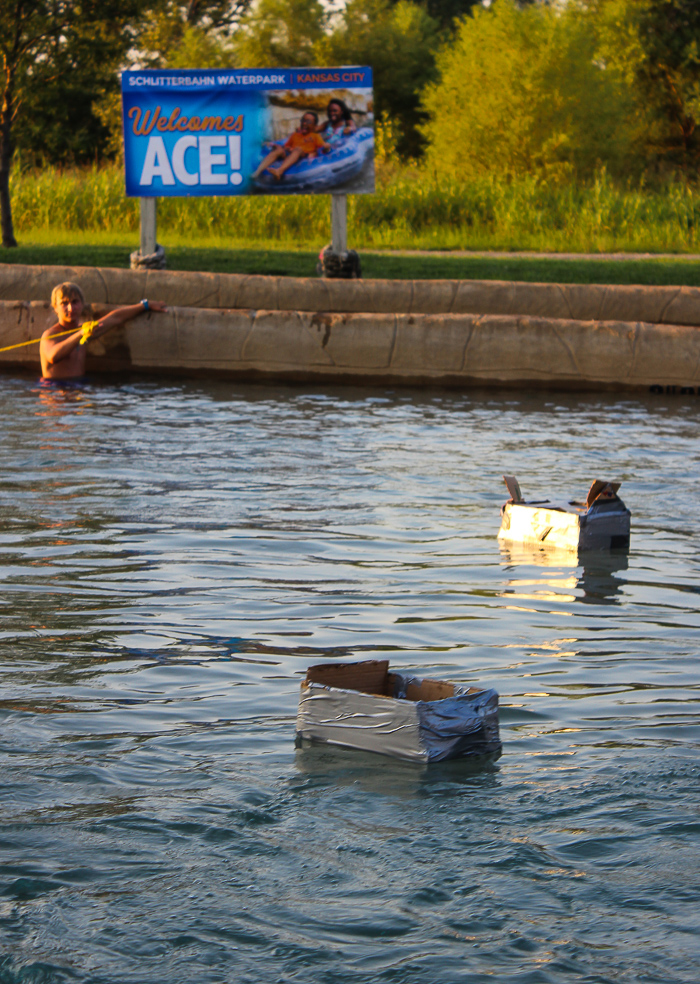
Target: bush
[523,92]
[412,208]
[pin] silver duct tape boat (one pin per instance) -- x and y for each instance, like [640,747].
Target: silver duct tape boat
[365,706]
[602,522]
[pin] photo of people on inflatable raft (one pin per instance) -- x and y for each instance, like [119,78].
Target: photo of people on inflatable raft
[317,154]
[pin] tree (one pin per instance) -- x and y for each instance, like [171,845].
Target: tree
[655,46]
[523,90]
[446,12]
[25,29]
[58,56]
[216,14]
[278,33]
[669,74]
[174,33]
[400,42]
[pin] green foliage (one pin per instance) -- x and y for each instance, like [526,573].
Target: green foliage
[167,22]
[192,35]
[202,48]
[64,73]
[656,43]
[445,12]
[522,91]
[386,137]
[592,91]
[278,33]
[173,36]
[399,41]
[57,58]
[220,15]
[670,72]
[413,208]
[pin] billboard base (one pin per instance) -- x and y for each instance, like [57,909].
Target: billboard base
[334,265]
[148,261]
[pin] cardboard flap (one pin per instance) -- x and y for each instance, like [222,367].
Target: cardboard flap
[430,690]
[368,676]
[513,487]
[602,489]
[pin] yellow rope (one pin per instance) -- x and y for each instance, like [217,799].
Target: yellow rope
[87,330]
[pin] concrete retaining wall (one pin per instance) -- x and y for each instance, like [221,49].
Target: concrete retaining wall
[655,305]
[445,349]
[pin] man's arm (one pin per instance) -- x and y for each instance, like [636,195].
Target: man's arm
[56,351]
[124,314]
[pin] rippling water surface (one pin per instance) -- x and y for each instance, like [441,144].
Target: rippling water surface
[174,555]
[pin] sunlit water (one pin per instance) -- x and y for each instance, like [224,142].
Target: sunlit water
[174,555]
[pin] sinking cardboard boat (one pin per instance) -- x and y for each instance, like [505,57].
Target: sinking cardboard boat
[364,706]
[602,522]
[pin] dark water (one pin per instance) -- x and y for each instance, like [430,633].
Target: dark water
[173,557]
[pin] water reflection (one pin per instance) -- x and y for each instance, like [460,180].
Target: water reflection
[56,396]
[596,584]
[385,776]
[174,555]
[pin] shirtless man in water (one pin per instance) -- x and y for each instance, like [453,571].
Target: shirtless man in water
[64,357]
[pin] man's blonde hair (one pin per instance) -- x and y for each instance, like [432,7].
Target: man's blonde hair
[67,290]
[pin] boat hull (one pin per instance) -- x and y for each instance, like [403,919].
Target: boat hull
[538,525]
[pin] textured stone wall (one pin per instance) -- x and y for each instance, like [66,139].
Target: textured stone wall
[656,305]
[446,349]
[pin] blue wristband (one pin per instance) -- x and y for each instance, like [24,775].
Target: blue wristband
[145,304]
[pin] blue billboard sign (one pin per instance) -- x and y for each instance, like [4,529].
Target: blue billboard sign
[248,131]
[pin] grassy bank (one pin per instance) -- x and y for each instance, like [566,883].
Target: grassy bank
[302,263]
[411,210]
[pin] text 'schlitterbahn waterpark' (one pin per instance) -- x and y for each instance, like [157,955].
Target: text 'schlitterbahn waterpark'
[350,388]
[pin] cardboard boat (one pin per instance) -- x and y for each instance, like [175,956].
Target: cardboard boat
[340,164]
[602,522]
[365,706]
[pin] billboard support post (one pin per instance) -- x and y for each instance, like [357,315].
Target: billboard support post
[150,256]
[148,226]
[339,223]
[193,133]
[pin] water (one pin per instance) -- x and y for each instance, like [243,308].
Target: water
[174,555]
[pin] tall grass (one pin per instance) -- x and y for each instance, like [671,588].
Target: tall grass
[411,209]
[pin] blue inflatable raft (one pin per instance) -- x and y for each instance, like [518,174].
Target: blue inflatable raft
[343,162]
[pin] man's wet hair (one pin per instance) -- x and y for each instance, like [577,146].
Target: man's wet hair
[66,290]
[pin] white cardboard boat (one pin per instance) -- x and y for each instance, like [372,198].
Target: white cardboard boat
[364,706]
[602,522]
